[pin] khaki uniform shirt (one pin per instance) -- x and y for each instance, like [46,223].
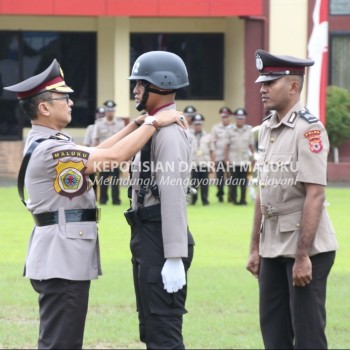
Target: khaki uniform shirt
[55,181]
[105,129]
[202,146]
[219,135]
[239,140]
[171,162]
[88,135]
[291,152]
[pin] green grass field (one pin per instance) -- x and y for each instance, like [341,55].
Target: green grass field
[222,298]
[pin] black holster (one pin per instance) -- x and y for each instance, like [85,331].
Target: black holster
[143,214]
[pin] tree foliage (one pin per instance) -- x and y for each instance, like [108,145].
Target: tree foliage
[338,115]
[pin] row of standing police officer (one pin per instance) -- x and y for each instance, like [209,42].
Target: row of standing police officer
[228,150]
[106,124]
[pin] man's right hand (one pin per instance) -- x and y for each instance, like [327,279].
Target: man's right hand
[253,264]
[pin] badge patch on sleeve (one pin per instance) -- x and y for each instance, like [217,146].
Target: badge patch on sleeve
[315,143]
[70,180]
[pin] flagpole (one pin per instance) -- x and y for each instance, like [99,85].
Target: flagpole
[318,51]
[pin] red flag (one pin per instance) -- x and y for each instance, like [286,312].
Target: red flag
[318,51]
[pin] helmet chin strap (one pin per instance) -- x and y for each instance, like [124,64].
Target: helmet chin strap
[142,104]
[158,92]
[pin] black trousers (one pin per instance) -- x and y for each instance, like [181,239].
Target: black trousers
[220,177]
[63,306]
[293,317]
[201,181]
[113,181]
[238,179]
[159,312]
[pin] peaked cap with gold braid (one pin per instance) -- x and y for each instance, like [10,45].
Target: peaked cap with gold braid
[51,79]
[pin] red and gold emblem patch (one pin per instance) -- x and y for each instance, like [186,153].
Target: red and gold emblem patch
[315,143]
[70,180]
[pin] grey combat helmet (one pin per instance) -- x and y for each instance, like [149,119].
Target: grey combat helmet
[162,69]
[165,70]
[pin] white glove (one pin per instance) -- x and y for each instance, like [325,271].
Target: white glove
[173,275]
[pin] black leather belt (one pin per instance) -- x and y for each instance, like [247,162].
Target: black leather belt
[72,215]
[150,213]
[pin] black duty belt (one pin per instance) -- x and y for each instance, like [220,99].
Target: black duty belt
[72,215]
[143,214]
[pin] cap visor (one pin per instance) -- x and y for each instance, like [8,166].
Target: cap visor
[264,78]
[62,89]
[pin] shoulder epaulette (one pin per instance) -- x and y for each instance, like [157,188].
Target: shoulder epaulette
[60,136]
[306,115]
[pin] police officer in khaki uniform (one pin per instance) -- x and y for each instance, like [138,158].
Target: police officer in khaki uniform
[161,245]
[239,155]
[99,114]
[293,241]
[88,141]
[107,127]
[189,112]
[63,253]
[203,159]
[219,139]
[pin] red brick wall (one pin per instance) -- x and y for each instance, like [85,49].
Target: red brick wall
[10,158]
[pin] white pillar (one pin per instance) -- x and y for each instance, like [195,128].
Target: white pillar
[113,62]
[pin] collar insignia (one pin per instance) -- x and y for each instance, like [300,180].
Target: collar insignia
[292,117]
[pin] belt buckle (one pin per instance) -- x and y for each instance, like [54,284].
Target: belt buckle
[268,210]
[98,214]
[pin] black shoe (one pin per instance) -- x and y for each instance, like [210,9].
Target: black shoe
[205,203]
[117,202]
[243,203]
[220,197]
[103,203]
[194,199]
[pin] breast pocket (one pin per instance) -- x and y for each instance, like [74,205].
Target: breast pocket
[280,161]
[81,231]
[281,170]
